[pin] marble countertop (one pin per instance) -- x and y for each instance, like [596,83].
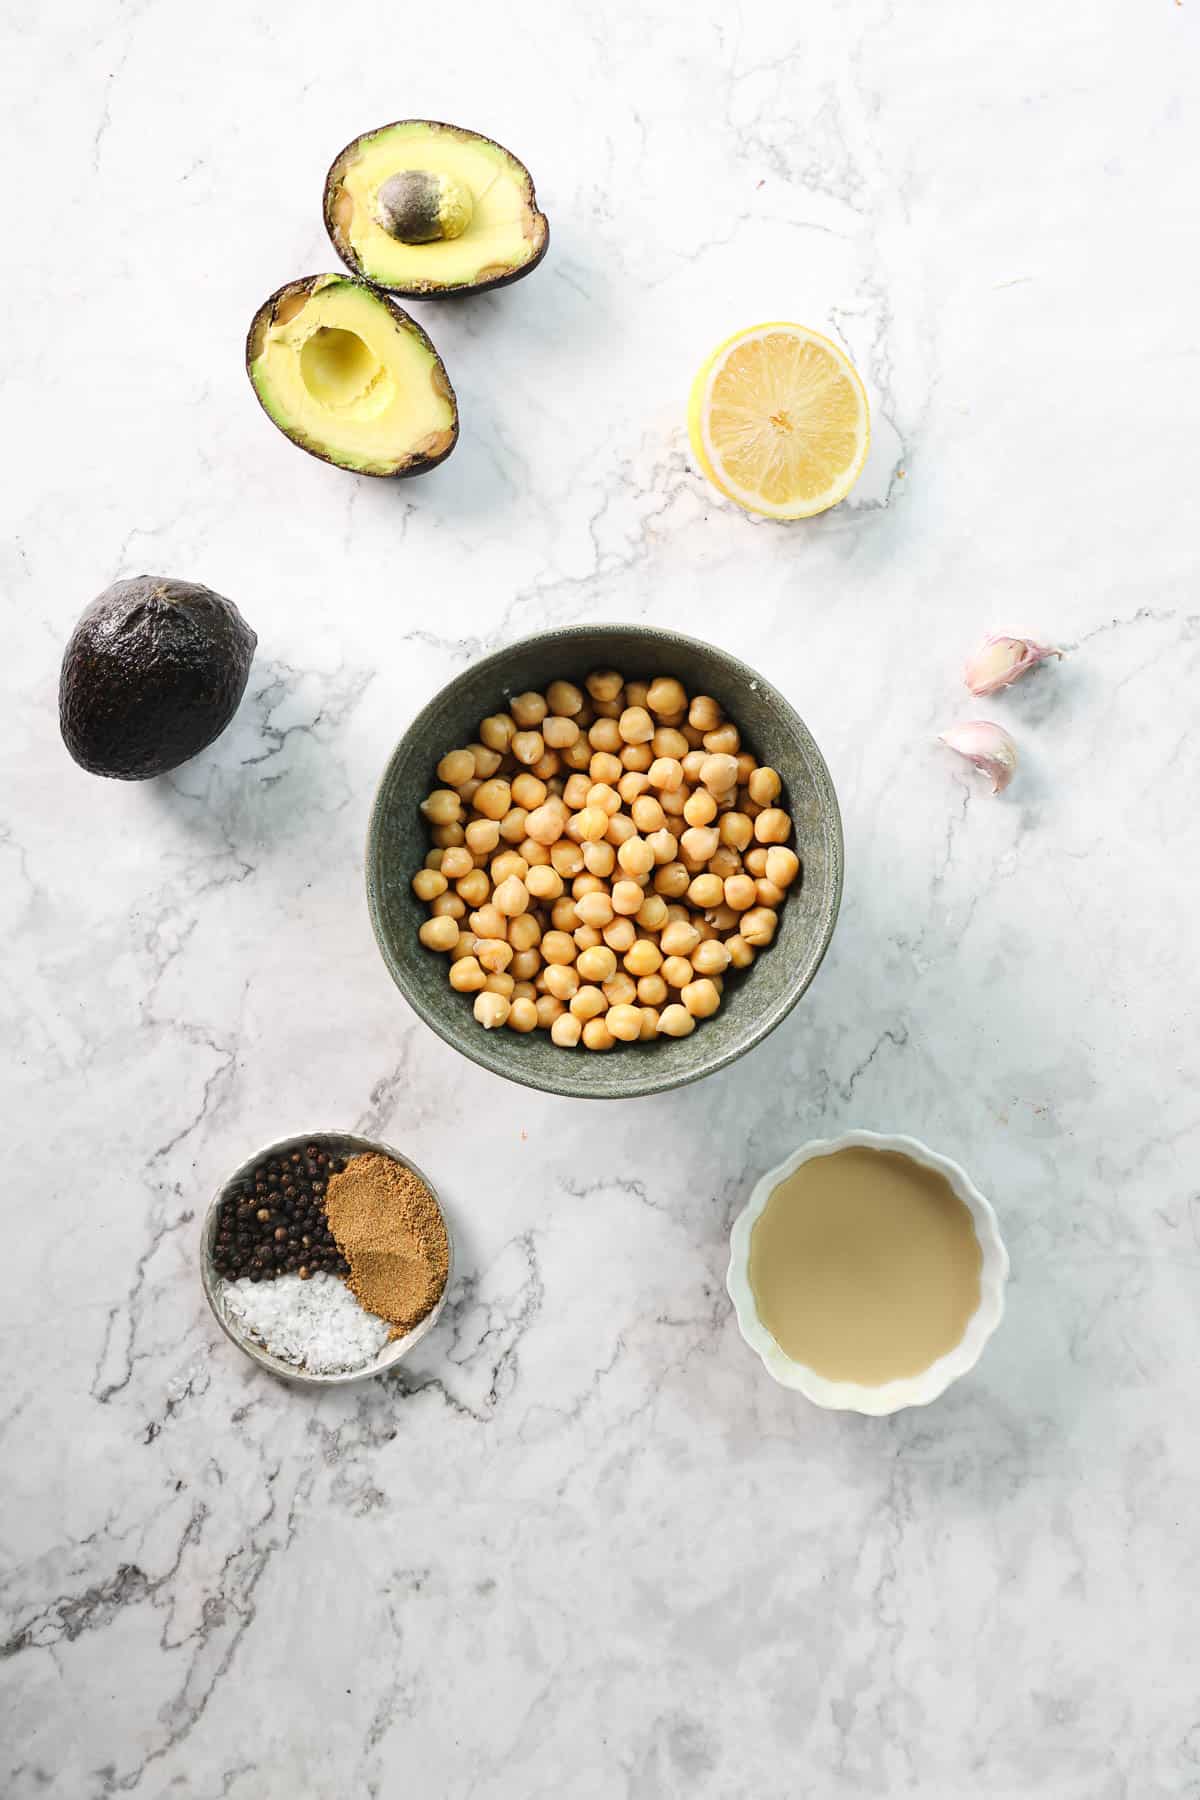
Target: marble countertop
[580,1545]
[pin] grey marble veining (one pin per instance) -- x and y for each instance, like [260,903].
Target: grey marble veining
[579,1545]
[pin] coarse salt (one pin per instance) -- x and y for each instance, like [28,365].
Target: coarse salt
[316,1324]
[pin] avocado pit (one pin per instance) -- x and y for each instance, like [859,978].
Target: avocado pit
[416,206]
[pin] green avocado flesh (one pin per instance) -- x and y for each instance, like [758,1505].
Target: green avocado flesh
[154,671]
[489,230]
[348,376]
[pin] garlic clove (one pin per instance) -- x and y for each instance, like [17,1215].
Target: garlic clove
[1001,660]
[986,745]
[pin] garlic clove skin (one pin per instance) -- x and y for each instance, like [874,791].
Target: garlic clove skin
[1001,660]
[986,745]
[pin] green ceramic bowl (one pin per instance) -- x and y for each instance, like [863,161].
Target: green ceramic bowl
[754,1001]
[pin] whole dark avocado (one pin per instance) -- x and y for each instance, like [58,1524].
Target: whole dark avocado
[154,671]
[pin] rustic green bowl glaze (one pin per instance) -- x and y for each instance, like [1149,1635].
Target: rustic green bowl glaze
[754,1001]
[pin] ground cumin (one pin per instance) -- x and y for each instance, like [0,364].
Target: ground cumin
[388,1227]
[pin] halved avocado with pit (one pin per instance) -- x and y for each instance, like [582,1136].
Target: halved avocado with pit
[346,374]
[427,210]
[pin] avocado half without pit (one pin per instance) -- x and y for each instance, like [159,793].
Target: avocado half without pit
[346,374]
[427,210]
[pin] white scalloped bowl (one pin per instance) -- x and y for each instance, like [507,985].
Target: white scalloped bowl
[890,1396]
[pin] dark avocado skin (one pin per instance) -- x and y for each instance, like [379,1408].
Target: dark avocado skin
[154,671]
[464,290]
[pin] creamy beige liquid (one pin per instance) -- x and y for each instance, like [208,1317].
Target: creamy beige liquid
[865,1266]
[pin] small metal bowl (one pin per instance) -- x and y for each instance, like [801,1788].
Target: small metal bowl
[337,1143]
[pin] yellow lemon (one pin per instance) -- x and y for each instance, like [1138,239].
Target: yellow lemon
[779,422]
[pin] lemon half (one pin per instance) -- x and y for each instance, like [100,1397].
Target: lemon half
[779,421]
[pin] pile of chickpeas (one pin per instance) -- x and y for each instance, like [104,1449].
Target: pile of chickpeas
[602,856]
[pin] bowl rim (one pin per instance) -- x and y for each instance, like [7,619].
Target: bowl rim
[574,1086]
[394,1350]
[890,1396]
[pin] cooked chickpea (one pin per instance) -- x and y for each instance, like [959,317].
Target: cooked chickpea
[620,935]
[546,823]
[497,731]
[445,837]
[719,774]
[632,786]
[604,797]
[636,858]
[724,862]
[722,918]
[525,964]
[740,892]
[644,958]
[544,882]
[591,823]
[620,827]
[673,803]
[605,734]
[528,791]
[448,906]
[595,909]
[666,774]
[513,825]
[427,884]
[577,755]
[637,758]
[528,747]
[679,938]
[566,858]
[620,989]
[698,843]
[493,799]
[677,971]
[741,954]
[665,846]
[597,1036]
[758,926]
[652,990]
[522,1015]
[669,744]
[627,897]
[528,709]
[524,932]
[457,862]
[605,770]
[704,713]
[586,937]
[783,866]
[710,958]
[511,897]
[764,786]
[699,809]
[647,814]
[652,914]
[566,1031]
[736,830]
[564,699]
[588,1003]
[666,695]
[635,725]
[482,836]
[491,1009]
[562,981]
[509,862]
[599,859]
[439,934]
[772,826]
[672,880]
[493,954]
[466,975]
[456,768]
[433,859]
[548,1009]
[489,922]
[755,861]
[598,965]
[546,767]
[563,916]
[558,947]
[473,887]
[604,684]
[576,792]
[442,807]
[559,734]
[465,945]
[501,982]
[705,890]
[725,740]
[701,998]
[676,1021]
[624,1022]
[486,761]
[769,894]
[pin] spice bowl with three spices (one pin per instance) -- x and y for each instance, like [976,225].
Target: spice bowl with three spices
[326,1257]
